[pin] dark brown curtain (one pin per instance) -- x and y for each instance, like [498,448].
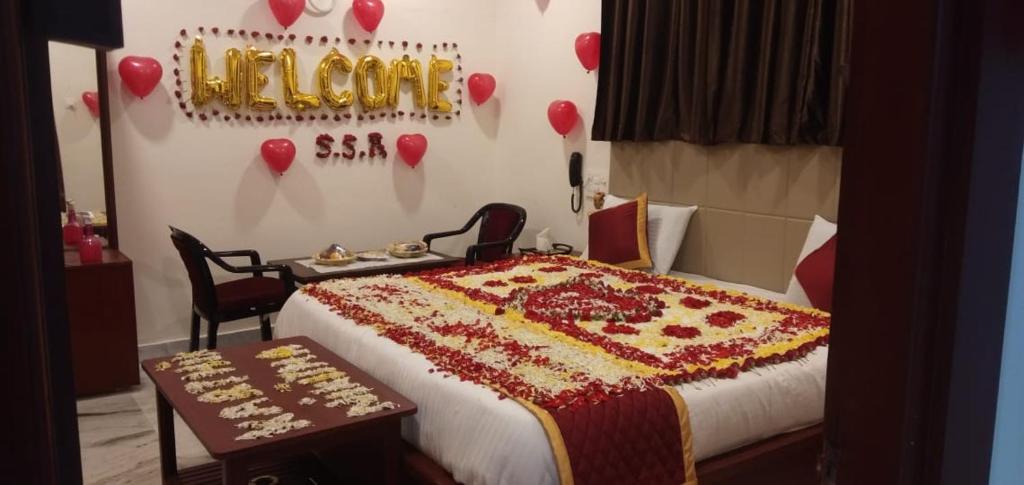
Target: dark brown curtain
[716,71]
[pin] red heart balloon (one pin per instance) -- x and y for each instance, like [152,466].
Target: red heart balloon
[412,148]
[287,11]
[278,153]
[140,74]
[481,86]
[92,101]
[368,13]
[562,115]
[588,50]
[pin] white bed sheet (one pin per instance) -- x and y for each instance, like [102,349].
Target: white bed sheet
[753,290]
[483,440]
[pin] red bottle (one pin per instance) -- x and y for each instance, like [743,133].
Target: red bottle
[72,229]
[90,248]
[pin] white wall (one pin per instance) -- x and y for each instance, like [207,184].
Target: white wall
[1007,466]
[208,178]
[73,71]
[538,65]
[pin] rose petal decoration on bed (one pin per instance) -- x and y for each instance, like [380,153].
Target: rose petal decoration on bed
[560,334]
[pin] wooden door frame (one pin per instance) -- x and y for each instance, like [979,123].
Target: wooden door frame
[934,130]
[40,430]
[40,427]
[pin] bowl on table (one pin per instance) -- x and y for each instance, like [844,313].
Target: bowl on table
[334,255]
[407,249]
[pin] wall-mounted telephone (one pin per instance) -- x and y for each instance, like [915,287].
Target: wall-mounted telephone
[576,181]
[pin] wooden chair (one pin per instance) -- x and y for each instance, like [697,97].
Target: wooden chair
[500,225]
[254,296]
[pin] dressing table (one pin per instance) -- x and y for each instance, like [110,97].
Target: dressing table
[100,295]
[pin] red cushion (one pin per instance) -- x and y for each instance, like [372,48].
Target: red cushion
[619,235]
[497,225]
[248,292]
[815,274]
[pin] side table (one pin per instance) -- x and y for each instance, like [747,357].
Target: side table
[290,457]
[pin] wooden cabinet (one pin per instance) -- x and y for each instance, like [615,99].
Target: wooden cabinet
[101,314]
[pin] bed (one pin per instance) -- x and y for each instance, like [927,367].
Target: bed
[479,439]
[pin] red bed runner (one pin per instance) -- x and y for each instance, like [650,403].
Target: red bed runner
[638,437]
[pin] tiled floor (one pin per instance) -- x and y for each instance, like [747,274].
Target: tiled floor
[118,437]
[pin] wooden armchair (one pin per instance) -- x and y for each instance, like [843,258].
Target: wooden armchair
[256,295]
[500,226]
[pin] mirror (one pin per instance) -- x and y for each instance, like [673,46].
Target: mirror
[74,85]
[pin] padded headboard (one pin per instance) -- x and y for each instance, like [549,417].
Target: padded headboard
[756,202]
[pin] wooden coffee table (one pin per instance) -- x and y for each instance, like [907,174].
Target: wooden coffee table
[305,275]
[374,440]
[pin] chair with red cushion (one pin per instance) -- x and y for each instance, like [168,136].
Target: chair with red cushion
[500,225]
[254,296]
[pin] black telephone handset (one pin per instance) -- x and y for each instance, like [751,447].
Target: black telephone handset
[576,181]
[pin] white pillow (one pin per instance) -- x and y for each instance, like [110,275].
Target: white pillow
[666,226]
[821,231]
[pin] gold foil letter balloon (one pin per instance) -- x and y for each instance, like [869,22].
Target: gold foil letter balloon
[232,93]
[436,86]
[378,97]
[255,80]
[408,70]
[204,88]
[294,98]
[334,60]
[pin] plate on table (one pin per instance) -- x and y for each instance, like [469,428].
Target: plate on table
[334,255]
[338,261]
[375,255]
[408,249]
